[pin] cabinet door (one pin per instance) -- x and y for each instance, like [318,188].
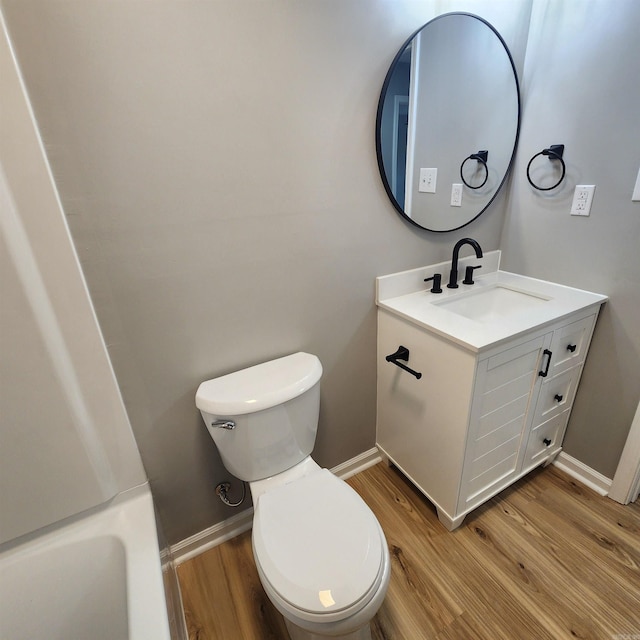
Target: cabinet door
[505,383]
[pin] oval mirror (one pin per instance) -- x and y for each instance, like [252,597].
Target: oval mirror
[448,122]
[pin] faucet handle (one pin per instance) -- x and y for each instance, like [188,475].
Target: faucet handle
[468,274]
[437,278]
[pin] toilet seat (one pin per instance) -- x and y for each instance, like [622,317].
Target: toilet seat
[319,546]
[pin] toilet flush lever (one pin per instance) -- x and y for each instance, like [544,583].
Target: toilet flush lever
[224,424]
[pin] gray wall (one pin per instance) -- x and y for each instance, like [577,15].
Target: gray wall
[217,168]
[216,163]
[581,88]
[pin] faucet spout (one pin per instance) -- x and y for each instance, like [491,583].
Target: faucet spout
[453,276]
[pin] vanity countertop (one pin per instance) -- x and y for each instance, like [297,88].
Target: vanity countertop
[524,303]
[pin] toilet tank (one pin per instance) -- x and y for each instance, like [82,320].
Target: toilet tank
[274,406]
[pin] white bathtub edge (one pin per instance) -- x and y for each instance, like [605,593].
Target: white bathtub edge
[130,518]
[148,616]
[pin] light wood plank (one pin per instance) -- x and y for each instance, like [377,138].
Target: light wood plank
[546,559]
[223,598]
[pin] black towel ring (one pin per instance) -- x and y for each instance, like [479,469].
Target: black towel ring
[481,157]
[554,152]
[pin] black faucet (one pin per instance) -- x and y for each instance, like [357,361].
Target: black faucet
[453,277]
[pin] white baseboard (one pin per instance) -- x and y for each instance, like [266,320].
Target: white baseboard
[177,624]
[213,536]
[357,464]
[241,522]
[582,473]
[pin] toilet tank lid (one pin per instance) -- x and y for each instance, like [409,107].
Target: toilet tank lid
[260,387]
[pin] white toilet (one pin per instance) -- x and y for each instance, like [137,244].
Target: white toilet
[321,555]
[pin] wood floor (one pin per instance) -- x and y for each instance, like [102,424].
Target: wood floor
[547,559]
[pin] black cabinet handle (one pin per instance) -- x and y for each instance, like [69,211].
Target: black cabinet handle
[558,397]
[571,347]
[546,442]
[402,354]
[544,372]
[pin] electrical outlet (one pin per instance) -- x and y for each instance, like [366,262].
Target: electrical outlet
[582,199]
[456,195]
[427,182]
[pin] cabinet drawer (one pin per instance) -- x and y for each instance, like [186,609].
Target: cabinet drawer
[556,395]
[570,343]
[545,440]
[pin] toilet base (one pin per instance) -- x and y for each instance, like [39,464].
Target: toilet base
[296,633]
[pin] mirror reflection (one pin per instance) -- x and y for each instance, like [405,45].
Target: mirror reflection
[448,122]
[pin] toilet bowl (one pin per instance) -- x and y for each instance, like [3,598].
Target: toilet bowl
[321,555]
[319,550]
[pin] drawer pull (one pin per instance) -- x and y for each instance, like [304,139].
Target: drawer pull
[402,354]
[545,371]
[558,397]
[571,347]
[546,442]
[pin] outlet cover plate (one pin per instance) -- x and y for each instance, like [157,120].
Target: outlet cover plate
[636,190]
[582,199]
[456,195]
[428,178]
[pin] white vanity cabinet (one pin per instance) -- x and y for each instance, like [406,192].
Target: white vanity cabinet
[476,420]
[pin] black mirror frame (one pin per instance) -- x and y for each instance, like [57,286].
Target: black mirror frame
[383,91]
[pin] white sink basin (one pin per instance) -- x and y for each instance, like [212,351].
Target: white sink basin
[493,303]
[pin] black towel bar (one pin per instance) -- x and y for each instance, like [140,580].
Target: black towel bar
[402,354]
